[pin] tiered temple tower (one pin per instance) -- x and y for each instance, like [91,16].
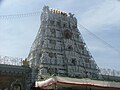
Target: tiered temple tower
[59,48]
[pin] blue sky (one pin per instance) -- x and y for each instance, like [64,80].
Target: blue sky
[101,17]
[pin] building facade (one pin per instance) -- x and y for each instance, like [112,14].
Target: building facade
[15,77]
[59,48]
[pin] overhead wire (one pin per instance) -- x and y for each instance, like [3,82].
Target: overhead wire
[98,38]
[101,40]
[38,13]
[20,15]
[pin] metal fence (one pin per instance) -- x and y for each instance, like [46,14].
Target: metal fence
[10,60]
[110,72]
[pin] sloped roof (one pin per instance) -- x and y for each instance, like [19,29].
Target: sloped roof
[74,82]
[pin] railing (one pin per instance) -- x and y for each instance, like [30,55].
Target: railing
[10,60]
[110,72]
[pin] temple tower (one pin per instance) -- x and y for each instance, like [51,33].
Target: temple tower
[59,48]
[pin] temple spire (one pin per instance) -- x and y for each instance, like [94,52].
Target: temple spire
[59,48]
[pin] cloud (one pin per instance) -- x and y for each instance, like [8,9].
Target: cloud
[98,16]
[20,6]
[1,2]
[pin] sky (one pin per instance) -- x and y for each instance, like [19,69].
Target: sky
[101,17]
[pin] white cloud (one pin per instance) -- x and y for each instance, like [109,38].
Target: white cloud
[106,13]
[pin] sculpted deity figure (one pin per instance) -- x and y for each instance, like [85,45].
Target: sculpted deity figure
[44,58]
[45,44]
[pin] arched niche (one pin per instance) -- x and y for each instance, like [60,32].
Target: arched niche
[16,85]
